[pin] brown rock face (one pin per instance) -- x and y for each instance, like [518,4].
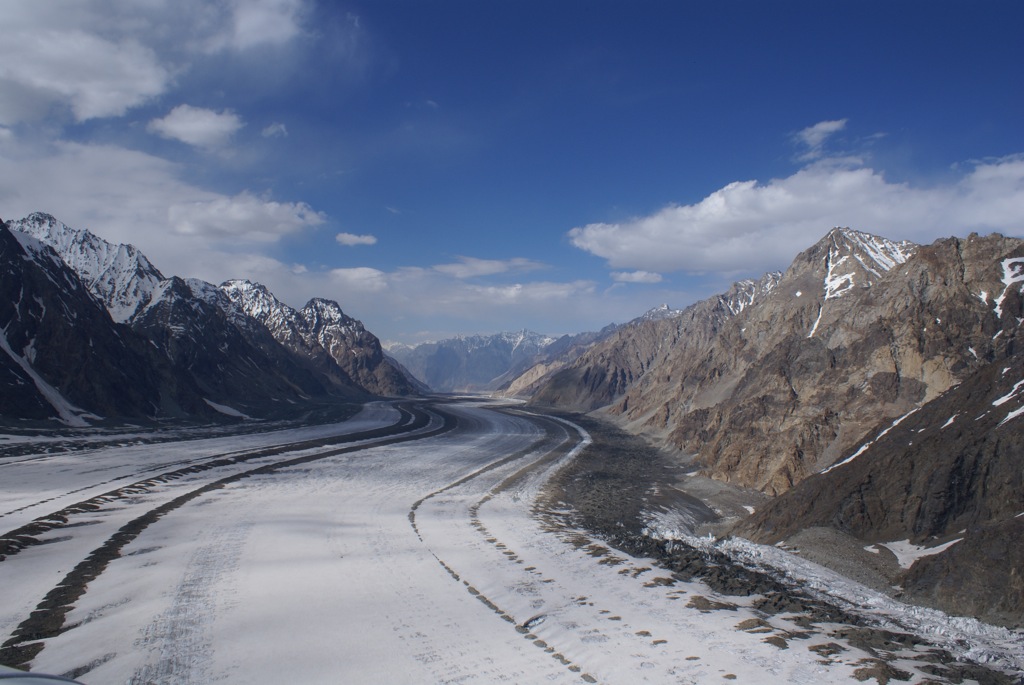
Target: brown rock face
[952,470]
[859,330]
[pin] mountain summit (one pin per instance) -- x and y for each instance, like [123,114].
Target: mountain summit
[120,276]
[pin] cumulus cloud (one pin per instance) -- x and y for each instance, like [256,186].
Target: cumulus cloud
[93,76]
[351,239]
[360,279]
[243,216]
[813,138]
[129,196]
[636,277]
[99,61]
[197,126]
[469,267]
[753,227]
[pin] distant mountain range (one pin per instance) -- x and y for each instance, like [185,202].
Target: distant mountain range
[472,363]
[93,330]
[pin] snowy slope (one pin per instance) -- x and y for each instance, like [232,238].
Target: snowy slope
[120,276]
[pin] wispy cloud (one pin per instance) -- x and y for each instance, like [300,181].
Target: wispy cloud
[253,23]
[636,277]
[275,130]
[812,139]
[351,239]
[98,61]
[197,126]
[752,227]
[469,267]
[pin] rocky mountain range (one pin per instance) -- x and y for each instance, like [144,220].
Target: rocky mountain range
[778,378]
[177,348]
[873,388]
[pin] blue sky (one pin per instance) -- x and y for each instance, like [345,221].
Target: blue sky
[471,167]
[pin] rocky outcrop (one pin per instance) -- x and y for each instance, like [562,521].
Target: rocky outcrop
[951,471]
[877,388]
[606,372]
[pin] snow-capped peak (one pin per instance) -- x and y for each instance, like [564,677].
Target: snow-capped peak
[254,298]
[746,292]
[857,258]
[662,311]
[118,275]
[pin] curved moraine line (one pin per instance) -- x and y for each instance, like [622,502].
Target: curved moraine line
[555,445]
[48,619]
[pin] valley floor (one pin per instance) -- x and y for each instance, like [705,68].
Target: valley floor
[434,543]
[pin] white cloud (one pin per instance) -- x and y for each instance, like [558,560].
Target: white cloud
[243,216]
[814,137]
[197,126]
[101,60]
[131,197]
[94,76]
[469,267]
[255,23]
[351,239]
[275,130]
[360,279]
[406,299]
[522,293]
[636,277]
[753,227]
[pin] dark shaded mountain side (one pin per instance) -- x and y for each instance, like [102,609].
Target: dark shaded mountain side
[249,373]
[952,470]
[185,349]
[322,337]
[356,351]
[61,347]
